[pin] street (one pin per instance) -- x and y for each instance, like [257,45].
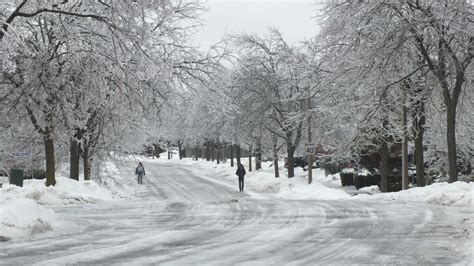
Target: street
[181,219]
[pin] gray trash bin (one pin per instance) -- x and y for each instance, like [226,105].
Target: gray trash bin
[16,177]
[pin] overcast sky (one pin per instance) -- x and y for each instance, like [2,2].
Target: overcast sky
[294,18]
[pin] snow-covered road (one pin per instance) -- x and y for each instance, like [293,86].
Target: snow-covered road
[182,219]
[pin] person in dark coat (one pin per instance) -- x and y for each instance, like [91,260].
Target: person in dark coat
[140,172]
[241,173]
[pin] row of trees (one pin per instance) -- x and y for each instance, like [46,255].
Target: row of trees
[93,75]
[379,74]
[89,77]
[407,56]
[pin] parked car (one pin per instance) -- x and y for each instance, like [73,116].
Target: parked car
[3,172]
[315,165]
[297,162]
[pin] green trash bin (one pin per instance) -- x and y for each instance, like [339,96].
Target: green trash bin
[16,177]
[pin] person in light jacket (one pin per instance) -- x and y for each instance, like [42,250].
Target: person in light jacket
[140,172]
[241,173]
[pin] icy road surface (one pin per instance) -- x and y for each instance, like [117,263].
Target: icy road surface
[181,219]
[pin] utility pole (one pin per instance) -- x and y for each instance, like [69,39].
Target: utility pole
[310,156]
[404,143]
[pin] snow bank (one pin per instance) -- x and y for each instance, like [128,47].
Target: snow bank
[143,158]
[25,211]
[262,183]
[457,193]
[65,192]
[293,188]
[24,217]
[315,190]
[370,190]
[117,179]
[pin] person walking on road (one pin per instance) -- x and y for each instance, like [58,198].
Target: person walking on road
[241,173]
[140,172]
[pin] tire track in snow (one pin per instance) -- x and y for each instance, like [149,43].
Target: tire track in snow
[181,219]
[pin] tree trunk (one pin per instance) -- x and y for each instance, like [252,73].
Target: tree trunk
[222,154]
[451,138]
[231,155]
[404,149]
[250,159]
[450,99]
[180,145]
[291,165]
[258,155]
[384,167]
[213,151]
[237,153]
[208,152]
[216,153]
[47,134]
[168,149]
[74,159]
[275,156]
[419,121]
[86,163]
[50,161]
[310,140]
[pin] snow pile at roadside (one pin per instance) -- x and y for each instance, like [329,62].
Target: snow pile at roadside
[21,217]
[118,179]
[65,192]
[333,181]
[112,185]
[294,188]
[315,190]
[370,190]
[24,210]
[262,183]
[143,158]
[458,194]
